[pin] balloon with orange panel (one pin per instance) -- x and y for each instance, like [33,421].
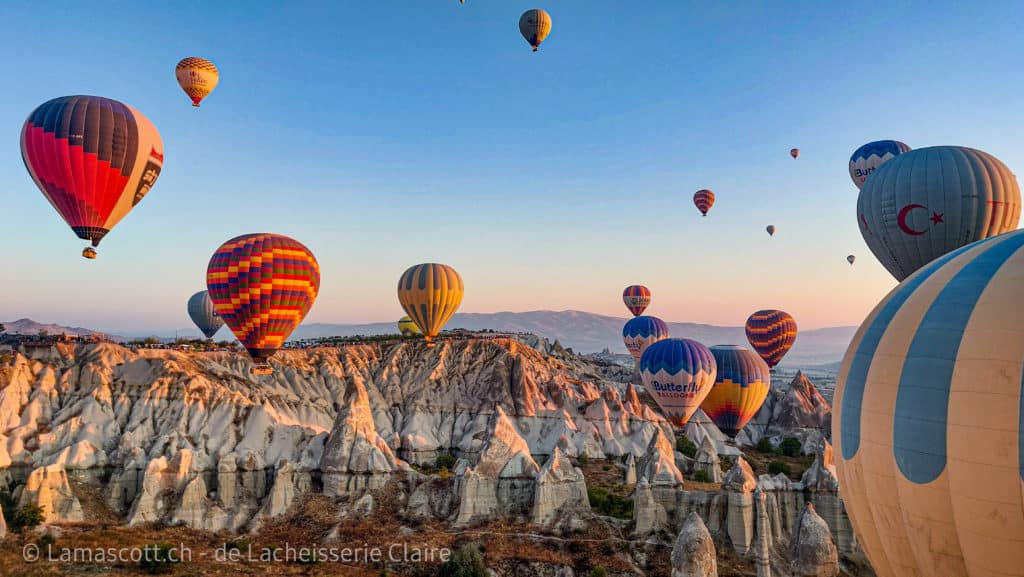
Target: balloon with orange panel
[430,293]
[262,285]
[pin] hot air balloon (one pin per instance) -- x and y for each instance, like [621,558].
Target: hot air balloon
[678,373]
[741,386]
[408,328]
[204,314]
[850,259]
[771,333]
[928,419]
[262,285]
[869,157]
[704,199]
[794,152]
[430,294]
[636,297]
[535,25]
[926,202]
[93,158]
[771,229]
[197,77]
[641,332]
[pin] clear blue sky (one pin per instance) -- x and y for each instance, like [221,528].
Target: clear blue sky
[383,134]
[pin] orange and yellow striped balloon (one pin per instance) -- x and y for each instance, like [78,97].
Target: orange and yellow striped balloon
[263,285]
[197,77]
[430,293]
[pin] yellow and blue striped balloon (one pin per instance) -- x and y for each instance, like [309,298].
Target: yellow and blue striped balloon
[430,293]
[741,386]
[927,420]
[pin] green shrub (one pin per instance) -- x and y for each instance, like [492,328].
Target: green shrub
[776,467]
[157,559]
[583,459]
[606,467]
[29,516]
[701,477]
[446,461]
[685,446]
[726,462]
[609,504]
[45,541]
[241,544]
[790,447]
[765,446]
[466,562]
[599,571]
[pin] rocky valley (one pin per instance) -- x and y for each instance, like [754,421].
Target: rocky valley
[549,462]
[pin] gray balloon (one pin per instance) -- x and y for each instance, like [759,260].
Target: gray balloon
[203,314]
[927,202]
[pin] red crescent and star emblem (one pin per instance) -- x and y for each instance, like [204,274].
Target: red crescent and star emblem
[901,219]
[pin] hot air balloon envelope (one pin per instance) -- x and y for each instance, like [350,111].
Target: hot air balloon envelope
[407,327]
[771,333]
[927,417]
[704,199]
[641,332]
[204,314]
[924,203]
[771,229]
[535,25]
[636,297]
[430,293]
[197,77]
[850,259]
[794,152]
[262,285]
[93,158]
[741,386]
[678,374]
[866,159]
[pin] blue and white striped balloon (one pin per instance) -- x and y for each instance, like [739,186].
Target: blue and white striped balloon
[927,421]
[867,158]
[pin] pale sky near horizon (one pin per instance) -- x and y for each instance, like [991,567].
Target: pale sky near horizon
[384,134]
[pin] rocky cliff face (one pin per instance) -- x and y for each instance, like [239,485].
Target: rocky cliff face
[193,439]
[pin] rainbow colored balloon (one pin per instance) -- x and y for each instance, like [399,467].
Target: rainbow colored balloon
[636,297]
[641,332]
[771,333]
[262,285]
[741,386]
[928,420]
[678,374]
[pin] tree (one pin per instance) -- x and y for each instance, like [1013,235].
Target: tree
[29,516]
[790,447]
[466,562]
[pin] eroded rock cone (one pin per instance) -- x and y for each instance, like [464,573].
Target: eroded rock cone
[693,555]
[813,554]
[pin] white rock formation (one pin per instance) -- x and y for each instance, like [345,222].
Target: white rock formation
[812,553]
[693,554]
[48,487]
[707,460]
[355,456]
[762,557]
[658,465]
[503,481]
[740,483]
[560,494]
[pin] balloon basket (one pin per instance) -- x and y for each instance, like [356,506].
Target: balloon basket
[89,253]
[262,369]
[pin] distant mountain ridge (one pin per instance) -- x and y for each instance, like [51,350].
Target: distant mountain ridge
[30,327]
[582,331]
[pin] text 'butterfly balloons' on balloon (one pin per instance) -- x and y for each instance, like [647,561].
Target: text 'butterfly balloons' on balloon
[678,374]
